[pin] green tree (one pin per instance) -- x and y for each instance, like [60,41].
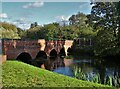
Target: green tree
[52,31]
[78,19]
[8,31]
[117,5]
[104,19]
[35,33]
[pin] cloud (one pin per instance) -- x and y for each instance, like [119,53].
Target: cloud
[23,23]
[3,15]
[62,20]
[33,5]
[62,17]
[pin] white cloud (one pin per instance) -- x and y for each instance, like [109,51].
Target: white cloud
[3,15]
[23,23]
[35,4]
[62,20]
[62,17]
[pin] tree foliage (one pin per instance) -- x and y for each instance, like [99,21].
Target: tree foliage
[104,19]
[8,31]
[77,28]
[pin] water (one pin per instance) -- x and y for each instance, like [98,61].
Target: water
[89,69]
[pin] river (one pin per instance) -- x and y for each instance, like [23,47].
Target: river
[86,68]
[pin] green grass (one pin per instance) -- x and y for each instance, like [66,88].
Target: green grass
[18,74]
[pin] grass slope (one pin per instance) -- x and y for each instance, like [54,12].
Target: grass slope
[18,74]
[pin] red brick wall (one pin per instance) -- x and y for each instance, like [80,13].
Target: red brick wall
[13,48]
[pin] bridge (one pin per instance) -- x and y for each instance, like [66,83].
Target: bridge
[34,48]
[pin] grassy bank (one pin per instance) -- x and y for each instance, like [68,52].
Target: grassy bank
[18,74]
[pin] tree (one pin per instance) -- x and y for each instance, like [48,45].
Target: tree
[8,31]
[117,5]
[21,32]
[104,14]
[35,33]
[118,9]
[35,24]
[78,19]
[72,19]
[104,19]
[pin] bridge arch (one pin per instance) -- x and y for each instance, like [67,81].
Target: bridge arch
[53,53]
[24,57]
[41,54]
[62,52]
[69,50]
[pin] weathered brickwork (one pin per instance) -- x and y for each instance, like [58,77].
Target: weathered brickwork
[13,48]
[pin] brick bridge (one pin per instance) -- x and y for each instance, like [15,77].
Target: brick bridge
[31,49]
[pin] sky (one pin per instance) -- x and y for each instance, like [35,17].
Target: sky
[22,14]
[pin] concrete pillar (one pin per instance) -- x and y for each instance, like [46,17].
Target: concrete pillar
[42,44]
[68,43]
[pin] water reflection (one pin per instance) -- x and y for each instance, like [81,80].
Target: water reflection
[53,63]
[98,71]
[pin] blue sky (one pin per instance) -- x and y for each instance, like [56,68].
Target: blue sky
[23,14]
